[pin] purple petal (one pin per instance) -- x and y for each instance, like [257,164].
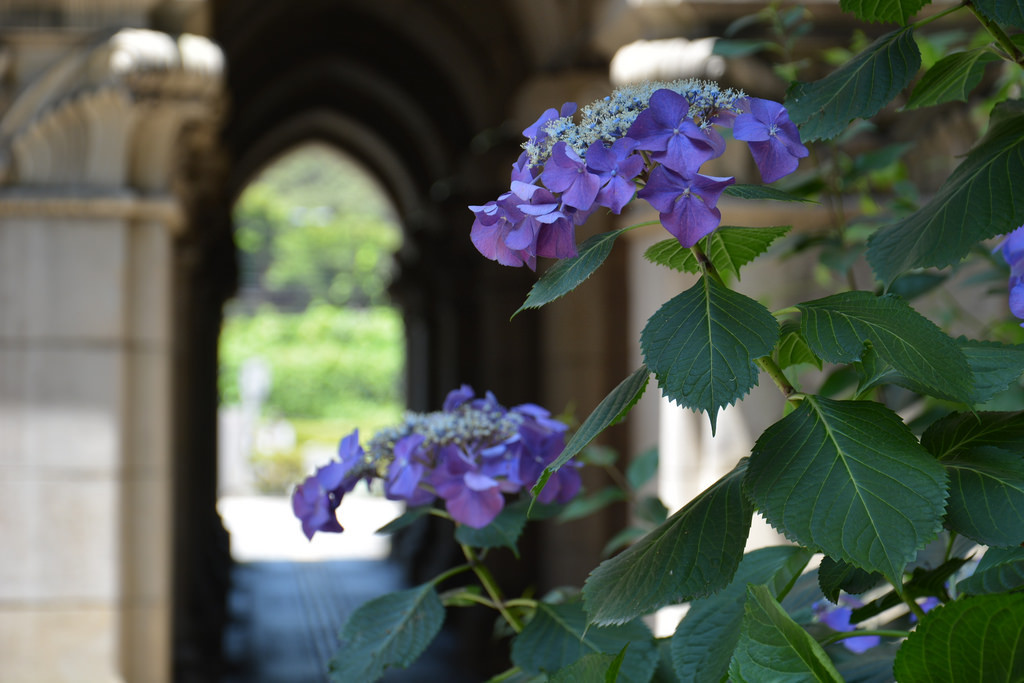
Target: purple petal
[476,509]
[557,240]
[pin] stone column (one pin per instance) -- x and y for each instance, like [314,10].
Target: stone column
[87,223]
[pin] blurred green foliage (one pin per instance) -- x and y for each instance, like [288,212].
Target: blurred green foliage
[325,362]
[316,237]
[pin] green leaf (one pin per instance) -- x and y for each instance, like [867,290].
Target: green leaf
[952,78]
[592,667]
[959,433]
[584,506]
[793,349]
[407,518]
[827,475]
[888,11]
[613,408]
[674,255]
[704,641]
[836,575]
[764,192]
[972,639]
[986,495]
[503,531]
[773,647]
[642,468]
[858,89]
[837,327]
[1000,570]
[728,247]
[995,366]
[738,47]
[567,274]
[702,346]
[559,635]
[1002,11]
[731,248]
[694,553]
[983,454]
[390,631]
[977,201]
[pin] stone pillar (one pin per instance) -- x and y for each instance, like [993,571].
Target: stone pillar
[87,225]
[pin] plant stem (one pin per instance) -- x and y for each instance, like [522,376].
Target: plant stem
[454,571]
[939,15]
[491,586]
[996,31]
[768,364]
[843,635]
[469,597]
[912,604]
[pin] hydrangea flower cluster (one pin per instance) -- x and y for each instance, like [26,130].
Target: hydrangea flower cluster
[1013,254]
[469,454]
[654,137]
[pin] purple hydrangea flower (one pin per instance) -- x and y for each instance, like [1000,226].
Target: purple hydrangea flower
[687,205]
[315,508]
[495,221]
[315,500]
[837,618]
[667,131]
[773,139]
[470,455]
[566,173]
[406,472]
[1013,253]
[471,497]
[616,167]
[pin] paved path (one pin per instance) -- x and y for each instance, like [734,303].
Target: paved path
[285,613]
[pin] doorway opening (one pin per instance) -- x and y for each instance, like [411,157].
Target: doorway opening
[310,350]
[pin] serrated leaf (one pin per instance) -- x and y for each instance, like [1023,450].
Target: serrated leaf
[702,346]
[614,407]
[764,192]
[703,642]
[567,274]
[592,667]
[858,89]
[958,433]
[391,631]
[986,495]
[671,253]
[773,647]
[1002,11]
[836,328]
[559,635]
[1000,570]
[793,349]
[503,531]
[995,366]
[828,474]
[977,201]
[888,11]
[951,79]
[972,639]
[839,575]
[694,553]
[729,248]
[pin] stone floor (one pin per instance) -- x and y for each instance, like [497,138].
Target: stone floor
[285,613]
